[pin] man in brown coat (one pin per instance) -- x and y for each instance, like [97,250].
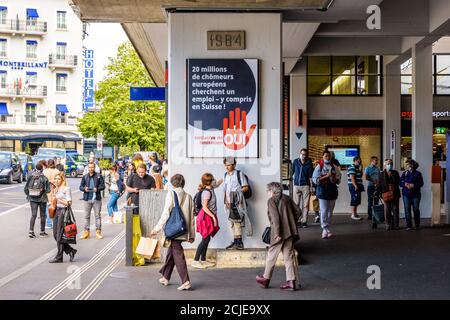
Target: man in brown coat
[283,216]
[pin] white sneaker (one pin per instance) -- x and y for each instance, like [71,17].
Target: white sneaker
[324,234]
[185,286]
[208,264]
[198,265]
[164,281]
[356,218]
[329,234]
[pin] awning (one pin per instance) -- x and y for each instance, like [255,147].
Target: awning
[31,104]
[3,109]
[2,8]
[31,73]
[32,13]
[61,74]
[61,43]
[3,40]
[62,108]
[31,42]
[38,136]
[3,71]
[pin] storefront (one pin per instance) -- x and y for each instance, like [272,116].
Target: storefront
[30,142]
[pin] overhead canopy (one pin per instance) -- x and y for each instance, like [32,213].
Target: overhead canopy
[32,13]
[3,109]
[62,108]
[31,42]
[2,8]
[38,136]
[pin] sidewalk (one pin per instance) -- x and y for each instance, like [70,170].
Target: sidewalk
[414,265]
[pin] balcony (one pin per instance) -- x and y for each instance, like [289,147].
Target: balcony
[9,119]
[31,91]
[66,120]
[23,27]
[62,61]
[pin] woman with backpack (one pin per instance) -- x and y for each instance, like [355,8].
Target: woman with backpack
[175,254]
[207,222]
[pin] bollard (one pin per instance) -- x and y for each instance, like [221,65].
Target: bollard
[129,235]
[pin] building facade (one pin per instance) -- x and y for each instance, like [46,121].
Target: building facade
[41,75]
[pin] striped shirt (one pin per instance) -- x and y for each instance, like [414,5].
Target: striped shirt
[354,171]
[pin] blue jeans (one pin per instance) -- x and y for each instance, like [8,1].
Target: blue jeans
[49,222]
[415,203]
[112,203]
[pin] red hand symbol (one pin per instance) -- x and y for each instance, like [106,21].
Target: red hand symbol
[235,135]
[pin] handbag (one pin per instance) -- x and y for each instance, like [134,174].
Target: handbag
[388,195]
[70,226]
[175,226]
[52,208]
[378,212]
[266,235]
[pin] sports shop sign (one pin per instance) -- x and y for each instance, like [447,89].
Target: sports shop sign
[436,114]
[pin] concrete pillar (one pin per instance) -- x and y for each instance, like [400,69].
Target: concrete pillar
[299,99]
[422,121]
[188,40]
[392,110]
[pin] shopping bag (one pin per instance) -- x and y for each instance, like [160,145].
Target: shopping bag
[146,247]
[378,212]
[118,217]
[157,253]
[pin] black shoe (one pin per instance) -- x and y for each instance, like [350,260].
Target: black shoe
[304,225]
[369,217]
[72,254]
[55,260]
[43,235]
[374,225]
[31,234]
[240,245]
[231,246]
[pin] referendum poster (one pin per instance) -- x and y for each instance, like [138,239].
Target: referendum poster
[223,108]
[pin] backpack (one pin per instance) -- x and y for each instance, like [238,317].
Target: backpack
[36,186]
[175,225]
[248,193]
[198,201]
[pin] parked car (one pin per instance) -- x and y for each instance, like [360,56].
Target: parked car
[75,163]
[54,152]
[10,167]
[27,164]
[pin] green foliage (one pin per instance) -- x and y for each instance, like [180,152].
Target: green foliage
[104,164]
[128,150]
[133,124]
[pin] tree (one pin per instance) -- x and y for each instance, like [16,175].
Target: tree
[121,121]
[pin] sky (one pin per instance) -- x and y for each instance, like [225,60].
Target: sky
[104,39]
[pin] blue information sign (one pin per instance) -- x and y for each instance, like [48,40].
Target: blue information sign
[88,63]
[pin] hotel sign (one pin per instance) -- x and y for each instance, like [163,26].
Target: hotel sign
[88,64]
[20,65]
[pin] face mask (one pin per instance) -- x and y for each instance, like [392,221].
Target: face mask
[389,167]
[327,161]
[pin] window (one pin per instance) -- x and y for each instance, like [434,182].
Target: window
[406,77]
[61,20]
[3,14]
[7,145]
[32,16]
[3,52]
[30,113]
[61,112]
[442,74]
[3,112]
[61,50]
[61,82]
[31,49]
[3,76]
[344,75]
[31,79]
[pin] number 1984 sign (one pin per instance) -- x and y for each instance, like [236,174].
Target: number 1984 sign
[222,107]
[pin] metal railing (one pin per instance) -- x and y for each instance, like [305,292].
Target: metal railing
[65,60]
[30,91]
[17,25]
